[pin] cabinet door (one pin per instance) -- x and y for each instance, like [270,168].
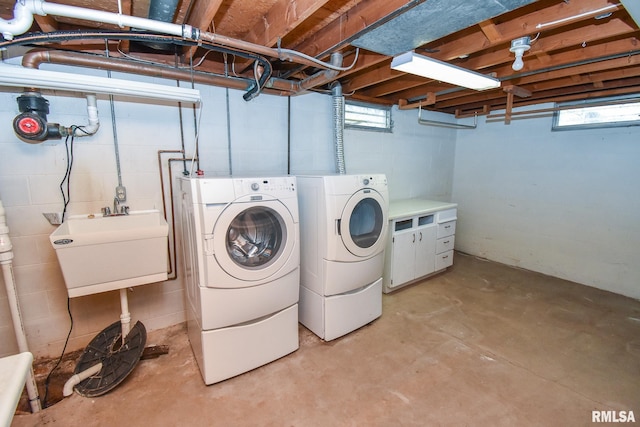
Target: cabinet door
[403,260]
[425,251]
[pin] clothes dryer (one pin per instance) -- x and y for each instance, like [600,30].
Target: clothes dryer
[343,226]
[241,256]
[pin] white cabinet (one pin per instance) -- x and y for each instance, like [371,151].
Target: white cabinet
[421,240]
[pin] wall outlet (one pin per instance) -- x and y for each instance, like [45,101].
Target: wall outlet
[121,193]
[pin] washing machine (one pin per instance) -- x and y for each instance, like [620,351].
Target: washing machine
[343,229]
[241,258]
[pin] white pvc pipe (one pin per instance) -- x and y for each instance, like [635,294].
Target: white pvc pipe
[76,379]
[125,316]
[6,259]
[25,9]
[94,122]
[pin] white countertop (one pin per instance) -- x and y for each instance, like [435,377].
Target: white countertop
[408,207]
[13,374]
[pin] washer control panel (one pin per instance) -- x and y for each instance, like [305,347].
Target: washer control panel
[277,186]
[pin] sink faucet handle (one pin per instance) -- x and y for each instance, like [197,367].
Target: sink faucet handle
[106,211]
[124,210]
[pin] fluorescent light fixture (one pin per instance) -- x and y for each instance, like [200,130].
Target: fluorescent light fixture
[16,76]
[411,62]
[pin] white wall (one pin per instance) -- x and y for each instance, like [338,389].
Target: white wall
[560,203]
[418,161]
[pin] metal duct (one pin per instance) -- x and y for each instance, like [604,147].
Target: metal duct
[338,126]
[429,21]
[161,10]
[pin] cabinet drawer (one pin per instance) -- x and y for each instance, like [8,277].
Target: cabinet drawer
[445,244]
[446,229]
[444,260]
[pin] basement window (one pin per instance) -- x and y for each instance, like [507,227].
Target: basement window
[367,117]
[600,113]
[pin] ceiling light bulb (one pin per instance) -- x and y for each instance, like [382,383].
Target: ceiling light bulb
[519,47]
[518,63]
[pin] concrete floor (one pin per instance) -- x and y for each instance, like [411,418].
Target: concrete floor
[480,345]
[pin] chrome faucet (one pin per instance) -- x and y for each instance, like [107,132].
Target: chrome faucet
[117,209]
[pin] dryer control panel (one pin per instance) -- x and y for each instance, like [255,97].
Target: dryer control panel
[373,180]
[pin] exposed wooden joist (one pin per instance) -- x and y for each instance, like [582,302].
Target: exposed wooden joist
[620,47]
[490,31]
[345,26]
[523,26]
[46,23]
[281,19]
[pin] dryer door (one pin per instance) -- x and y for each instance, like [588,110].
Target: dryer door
[259,239]
[363,225]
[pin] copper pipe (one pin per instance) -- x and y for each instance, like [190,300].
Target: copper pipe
[34,58]
[173,267]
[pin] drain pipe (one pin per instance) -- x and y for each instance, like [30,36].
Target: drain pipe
[338,126]
[6,259]
[92,117]
[76,379]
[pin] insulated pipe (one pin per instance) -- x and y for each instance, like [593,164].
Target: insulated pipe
[338,126]
[76,379]
[6,259]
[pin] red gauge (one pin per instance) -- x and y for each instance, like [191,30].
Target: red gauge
[29,126]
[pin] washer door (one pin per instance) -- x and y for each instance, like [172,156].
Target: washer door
[363,225]
[257,242]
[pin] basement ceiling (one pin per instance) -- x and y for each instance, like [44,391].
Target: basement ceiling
[580,49]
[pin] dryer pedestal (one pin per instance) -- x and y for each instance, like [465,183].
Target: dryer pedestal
[237,349]
[337,315]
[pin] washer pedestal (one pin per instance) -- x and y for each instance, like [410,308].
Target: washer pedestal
[337,315]
[237,349]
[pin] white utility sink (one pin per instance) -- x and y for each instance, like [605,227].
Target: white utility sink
[102,253]
[13,374]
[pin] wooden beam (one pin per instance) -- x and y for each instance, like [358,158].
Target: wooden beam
[348,24]
[517,91]
[280,20]
[508,109]
[430,99]
[490,31]
[46,23]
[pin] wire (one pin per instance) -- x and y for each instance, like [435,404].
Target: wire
[64,348]
[66,198]
[321,63]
